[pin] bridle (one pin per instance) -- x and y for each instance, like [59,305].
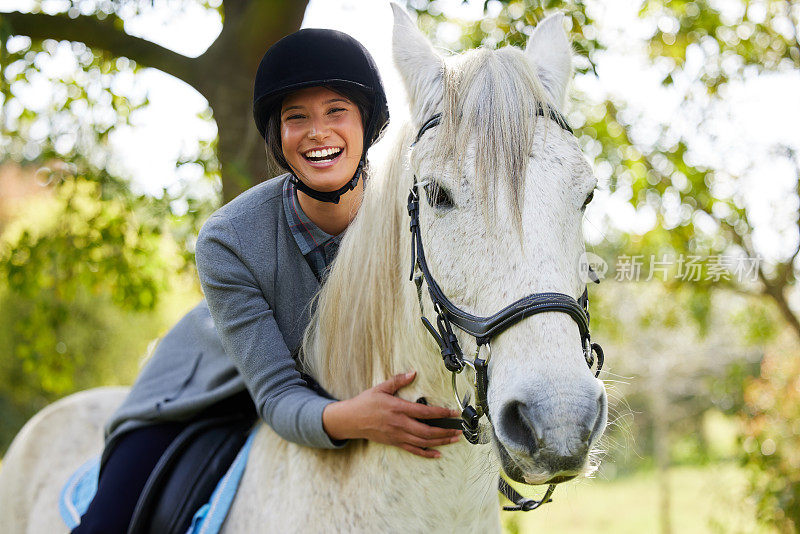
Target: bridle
[483,329]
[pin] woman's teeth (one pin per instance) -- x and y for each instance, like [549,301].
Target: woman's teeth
[323,155]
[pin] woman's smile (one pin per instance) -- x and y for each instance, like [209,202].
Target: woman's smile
[323,157]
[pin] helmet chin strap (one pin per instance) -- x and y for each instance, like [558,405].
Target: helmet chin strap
[329,196]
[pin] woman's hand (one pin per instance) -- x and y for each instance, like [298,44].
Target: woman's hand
[378,415]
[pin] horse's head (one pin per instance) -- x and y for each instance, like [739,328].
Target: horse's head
[500,219]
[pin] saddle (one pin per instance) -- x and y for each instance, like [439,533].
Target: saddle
[187,474]
[194,464]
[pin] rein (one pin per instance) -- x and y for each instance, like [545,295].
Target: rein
[483,329]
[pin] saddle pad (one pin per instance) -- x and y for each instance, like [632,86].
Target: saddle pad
[78,492]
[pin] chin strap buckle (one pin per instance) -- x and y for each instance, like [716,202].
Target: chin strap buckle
[330,196]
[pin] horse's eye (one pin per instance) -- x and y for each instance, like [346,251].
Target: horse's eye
[588,199]
[438,196]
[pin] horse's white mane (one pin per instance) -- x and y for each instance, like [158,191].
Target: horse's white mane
[348,342]
[489,97]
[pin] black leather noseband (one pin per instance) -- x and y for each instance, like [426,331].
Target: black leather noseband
[483,329]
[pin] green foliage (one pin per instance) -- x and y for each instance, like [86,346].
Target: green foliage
[83,283]
[510,22]
[82,241]
[93,343]
[734,36]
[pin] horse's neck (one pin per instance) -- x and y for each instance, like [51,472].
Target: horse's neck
[459,489]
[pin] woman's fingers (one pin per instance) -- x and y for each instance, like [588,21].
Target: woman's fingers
[416,441]
[397,422]
[421,430]
[422,447]
[396,382]
[424,411]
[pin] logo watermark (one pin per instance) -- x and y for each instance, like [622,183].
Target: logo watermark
[592,268]
[681,267]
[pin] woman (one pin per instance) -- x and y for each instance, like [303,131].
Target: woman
[319,104]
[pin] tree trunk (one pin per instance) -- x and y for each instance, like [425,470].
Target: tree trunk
[230,66]
[661,443]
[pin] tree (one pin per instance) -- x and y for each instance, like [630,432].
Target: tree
[223,74]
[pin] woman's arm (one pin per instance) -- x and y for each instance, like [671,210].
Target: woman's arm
[251,338]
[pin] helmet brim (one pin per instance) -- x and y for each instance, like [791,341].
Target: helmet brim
[266,104]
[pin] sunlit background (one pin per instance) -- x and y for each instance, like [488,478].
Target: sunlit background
[687,110]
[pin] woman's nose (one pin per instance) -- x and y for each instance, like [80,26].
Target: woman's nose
[319,130]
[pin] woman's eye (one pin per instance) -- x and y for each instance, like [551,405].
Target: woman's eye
[336,110]
[292,117]
[438,196]
[588,199]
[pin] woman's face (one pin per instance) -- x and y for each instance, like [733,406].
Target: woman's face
[322,137]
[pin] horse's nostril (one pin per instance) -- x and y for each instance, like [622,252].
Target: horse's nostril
[519,429]
[600,421]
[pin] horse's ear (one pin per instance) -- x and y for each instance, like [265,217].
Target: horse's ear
[550,53]
[419,65]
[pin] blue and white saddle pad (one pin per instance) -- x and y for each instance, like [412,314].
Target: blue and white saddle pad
[79,491]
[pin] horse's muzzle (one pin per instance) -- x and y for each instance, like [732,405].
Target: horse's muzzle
[540,445]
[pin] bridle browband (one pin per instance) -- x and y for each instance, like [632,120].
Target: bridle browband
[483,329]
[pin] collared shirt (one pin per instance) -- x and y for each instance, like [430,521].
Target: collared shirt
[318,247]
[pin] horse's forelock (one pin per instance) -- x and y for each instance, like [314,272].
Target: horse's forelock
[490,100]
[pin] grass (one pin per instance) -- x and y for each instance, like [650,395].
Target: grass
[704,499]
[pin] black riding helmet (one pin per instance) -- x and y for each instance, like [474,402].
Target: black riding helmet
[319,57]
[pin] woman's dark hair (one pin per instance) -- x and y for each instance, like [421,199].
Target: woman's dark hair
[273,137]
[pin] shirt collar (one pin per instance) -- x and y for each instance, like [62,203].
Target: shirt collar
[308,235]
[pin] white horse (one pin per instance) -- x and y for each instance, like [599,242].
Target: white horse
[501,220]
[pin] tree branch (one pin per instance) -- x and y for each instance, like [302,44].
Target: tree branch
[107,35]
[793,156]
